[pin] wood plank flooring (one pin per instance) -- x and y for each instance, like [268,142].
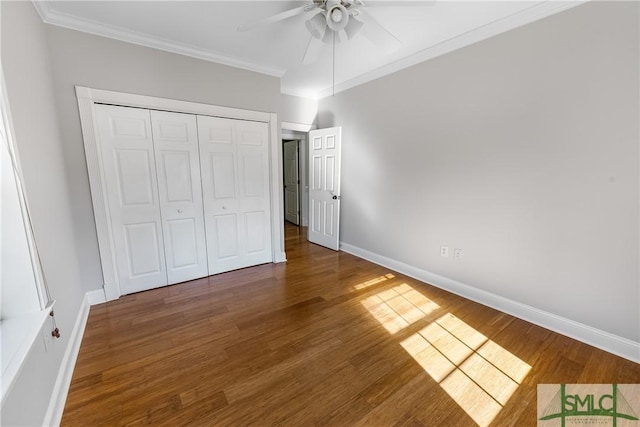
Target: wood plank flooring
[324,339]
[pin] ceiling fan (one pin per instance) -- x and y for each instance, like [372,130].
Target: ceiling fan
[340,20]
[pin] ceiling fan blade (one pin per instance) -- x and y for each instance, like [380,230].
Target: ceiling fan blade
[277,17]
[377,34]
[312,53]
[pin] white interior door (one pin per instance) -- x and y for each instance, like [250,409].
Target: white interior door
[126,145]
[324,186]
[235,184]
[291,182]
[175,138]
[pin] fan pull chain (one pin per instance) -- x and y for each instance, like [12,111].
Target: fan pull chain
[333,85]
[55,332]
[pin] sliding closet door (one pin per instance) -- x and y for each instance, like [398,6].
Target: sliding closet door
[175,138]
[126,145]
[235,184]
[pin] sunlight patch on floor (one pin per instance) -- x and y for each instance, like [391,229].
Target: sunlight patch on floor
[398,307]
[373,282]
[478,374]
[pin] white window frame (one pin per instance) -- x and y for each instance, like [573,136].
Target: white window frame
[20,330]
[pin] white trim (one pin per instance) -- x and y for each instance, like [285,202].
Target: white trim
[518,19]
[534,13]
[88,97]
[300,94]
[18,336]
[277,191]
[296,131]
[65,373]
[98,198]
[166,104]
[96,297]
[128,36]
[21,329]
[611,343]
[297,127]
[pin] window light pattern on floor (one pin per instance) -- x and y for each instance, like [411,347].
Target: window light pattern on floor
[478,374]
[372,282]
[398,307]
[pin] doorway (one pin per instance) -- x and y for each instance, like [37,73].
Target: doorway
[291,174]
[299,139]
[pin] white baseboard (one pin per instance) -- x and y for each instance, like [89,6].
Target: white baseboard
[280,257]
[617,345]
[53,416]
[96,297]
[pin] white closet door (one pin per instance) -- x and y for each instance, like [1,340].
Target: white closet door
[235,186]
[126,146]
[253,194]
[175,138]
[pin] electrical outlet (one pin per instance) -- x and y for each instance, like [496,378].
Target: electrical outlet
[444,251]
[457,254]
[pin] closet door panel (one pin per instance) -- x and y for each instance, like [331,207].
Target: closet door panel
[183,234]
[135,181]
[235,176]
[139,239]
[254,197]
[175,139]
[176,167]
[254,227]
[128,162]
[218,159]
[226,237]
[223,177]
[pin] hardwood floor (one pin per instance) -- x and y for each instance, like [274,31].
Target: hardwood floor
[324,339]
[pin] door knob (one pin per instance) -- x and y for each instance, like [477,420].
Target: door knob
[335,197]
[224,208]
[179,210]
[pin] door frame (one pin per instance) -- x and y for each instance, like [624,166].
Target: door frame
[88,97]
[300,132]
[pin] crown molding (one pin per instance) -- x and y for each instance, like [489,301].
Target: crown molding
[64,20]
[298,93]
[518,19]
[531,14]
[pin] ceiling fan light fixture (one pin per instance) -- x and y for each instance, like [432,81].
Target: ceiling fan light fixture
[317,25]
[337,17]
[353,27]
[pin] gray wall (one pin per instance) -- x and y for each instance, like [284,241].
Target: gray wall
[27,68]
[521,150]
[295,109]
[97,62]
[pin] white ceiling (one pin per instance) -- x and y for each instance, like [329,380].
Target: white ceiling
[208,30]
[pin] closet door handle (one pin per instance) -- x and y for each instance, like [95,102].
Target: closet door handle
[179,210]
[224,208]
